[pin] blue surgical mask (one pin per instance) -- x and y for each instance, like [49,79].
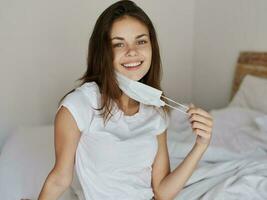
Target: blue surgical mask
[145,94]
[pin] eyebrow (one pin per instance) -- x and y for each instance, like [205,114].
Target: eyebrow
[121,38]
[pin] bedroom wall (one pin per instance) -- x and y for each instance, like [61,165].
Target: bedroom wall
[44,45]
[222,29]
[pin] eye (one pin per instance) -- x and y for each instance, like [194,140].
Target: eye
[142,42]
[118,45]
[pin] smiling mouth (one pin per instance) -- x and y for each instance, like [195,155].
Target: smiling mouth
[132,65]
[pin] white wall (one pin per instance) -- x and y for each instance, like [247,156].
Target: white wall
[44,45]
[174,22]
[223,28]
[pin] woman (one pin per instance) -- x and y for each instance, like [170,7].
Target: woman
[117,145]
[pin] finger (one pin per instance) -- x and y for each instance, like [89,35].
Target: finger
[201,126]
[195,110]
[199,111]
[192,105]
[202,133]
[200,118]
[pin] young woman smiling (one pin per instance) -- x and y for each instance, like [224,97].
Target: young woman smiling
[117,145]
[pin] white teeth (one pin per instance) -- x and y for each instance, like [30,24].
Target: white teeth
[132,64]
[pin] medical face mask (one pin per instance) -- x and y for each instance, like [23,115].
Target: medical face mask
[145,94]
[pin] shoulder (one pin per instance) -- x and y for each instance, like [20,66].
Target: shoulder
[158,117]
[88,88]
[86,94]
[163,115]
[164,122]
[81,103]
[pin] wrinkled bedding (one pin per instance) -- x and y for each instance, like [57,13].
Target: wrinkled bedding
[235,164]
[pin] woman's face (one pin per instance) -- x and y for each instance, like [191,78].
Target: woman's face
[131,47]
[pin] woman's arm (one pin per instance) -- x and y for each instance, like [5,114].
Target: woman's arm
[167,185]
[67,137]
[53,187]
[173,183]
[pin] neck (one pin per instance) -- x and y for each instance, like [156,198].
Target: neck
[127,102]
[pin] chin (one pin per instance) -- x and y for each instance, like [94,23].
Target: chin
[133,75]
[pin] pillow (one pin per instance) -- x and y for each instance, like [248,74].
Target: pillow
[252,94]
[26,159]
[262,123]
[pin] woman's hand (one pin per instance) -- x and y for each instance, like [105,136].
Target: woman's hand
[201,123]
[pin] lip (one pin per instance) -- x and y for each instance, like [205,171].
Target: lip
[132,61]
[132,68]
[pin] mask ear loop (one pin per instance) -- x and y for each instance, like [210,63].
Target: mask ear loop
[177,104]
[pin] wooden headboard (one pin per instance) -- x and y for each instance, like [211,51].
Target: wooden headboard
[254,63]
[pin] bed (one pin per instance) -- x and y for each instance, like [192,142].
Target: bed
[234,166]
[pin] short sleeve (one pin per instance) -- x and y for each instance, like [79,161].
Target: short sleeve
[163,122]
[79,106]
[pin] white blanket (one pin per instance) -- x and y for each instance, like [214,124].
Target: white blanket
[235,164]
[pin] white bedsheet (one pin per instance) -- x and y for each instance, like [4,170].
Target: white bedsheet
[235,164]
[25,162]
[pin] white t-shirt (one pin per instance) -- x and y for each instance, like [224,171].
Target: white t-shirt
[114,161]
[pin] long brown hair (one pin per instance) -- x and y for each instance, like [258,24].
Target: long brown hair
[100,56]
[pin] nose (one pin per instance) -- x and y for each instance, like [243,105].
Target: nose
[131,51]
